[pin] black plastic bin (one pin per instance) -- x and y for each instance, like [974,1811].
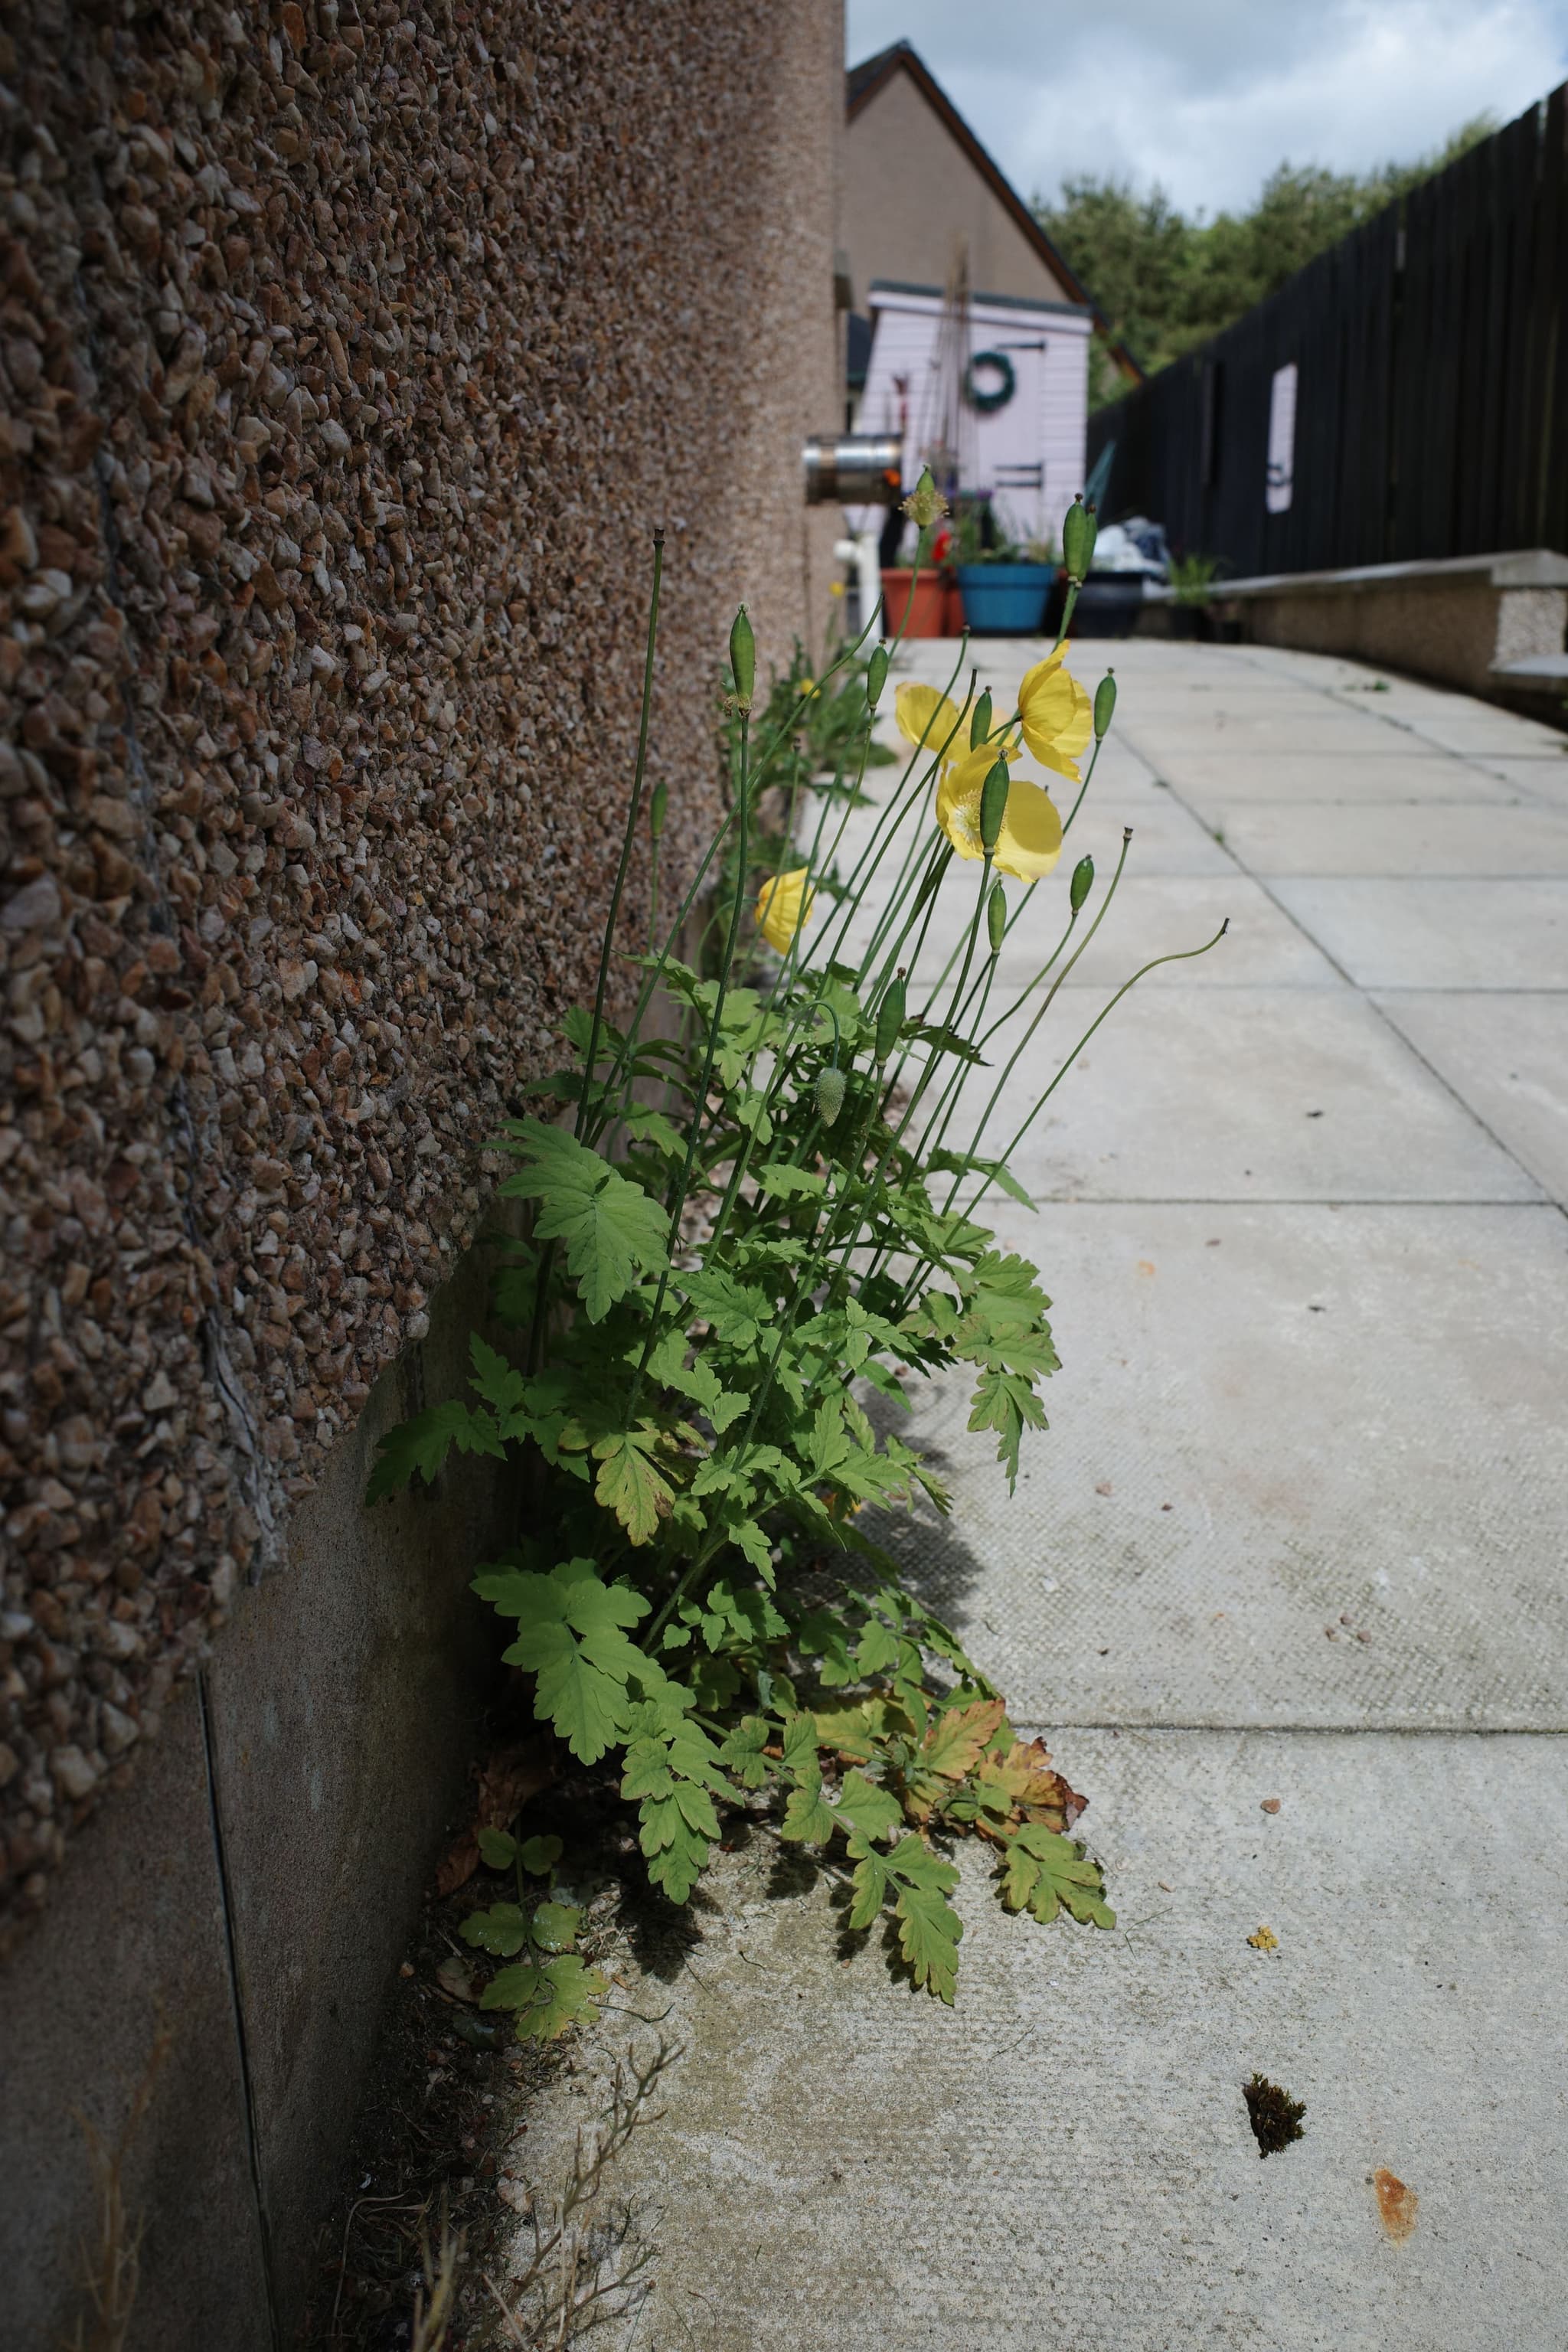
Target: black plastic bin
[1108,604]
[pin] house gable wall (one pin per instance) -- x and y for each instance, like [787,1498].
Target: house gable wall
[911,190]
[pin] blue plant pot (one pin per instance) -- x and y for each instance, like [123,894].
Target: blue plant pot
[1005,600]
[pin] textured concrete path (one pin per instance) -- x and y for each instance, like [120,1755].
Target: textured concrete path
[1298,1533]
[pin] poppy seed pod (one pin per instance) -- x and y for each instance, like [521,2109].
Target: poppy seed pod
[742,660]
[829,1094]
[1082,883]
[657,805]
[979,721]
[890,1017]
[994,805]
[925,503]
[996,916]
[1104,705]
[876,675]
[1078,530]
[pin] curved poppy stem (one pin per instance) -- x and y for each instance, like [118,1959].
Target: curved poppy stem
[597,1025]
[700,1098]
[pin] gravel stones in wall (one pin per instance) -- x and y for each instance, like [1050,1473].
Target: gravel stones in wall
[345,357]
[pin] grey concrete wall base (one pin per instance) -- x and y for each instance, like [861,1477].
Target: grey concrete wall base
[134,1939]
[252,1889]
[1484,623]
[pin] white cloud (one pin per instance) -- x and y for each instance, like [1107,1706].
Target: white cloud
[1207,96]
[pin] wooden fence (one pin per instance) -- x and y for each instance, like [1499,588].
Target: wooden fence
[1431,350]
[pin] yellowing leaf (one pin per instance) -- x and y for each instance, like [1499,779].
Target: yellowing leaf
[958,1737]
[628,1484]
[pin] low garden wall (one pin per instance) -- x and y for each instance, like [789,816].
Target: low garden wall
[1488,625]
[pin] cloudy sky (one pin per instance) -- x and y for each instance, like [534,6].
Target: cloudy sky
[1206,96]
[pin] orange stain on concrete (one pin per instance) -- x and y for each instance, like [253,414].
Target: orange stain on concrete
[1396,2204]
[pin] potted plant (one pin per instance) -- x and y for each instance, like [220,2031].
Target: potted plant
[1192,579]
[1004,585]
[915,603]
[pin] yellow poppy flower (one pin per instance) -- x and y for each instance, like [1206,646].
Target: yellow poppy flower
[1030,841]
[784,907]
[1057,715]
[807,687]
[928,720]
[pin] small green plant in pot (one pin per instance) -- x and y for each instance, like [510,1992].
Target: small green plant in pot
[1005,586]
[1193,580]
[741,1236]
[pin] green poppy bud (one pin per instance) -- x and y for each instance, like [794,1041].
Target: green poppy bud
[1078,538]
[1083,882]
[1104,705]
[876,675]
[742,660]
[829,1094]
[655,809]
[979,721]
[997,915]
[994,805]
[890,1017]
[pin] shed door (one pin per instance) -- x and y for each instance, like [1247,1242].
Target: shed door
[1011,454]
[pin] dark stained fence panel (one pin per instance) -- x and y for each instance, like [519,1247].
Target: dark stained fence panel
[1432,352]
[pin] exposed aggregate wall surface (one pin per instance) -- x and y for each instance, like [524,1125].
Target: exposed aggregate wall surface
[344,359]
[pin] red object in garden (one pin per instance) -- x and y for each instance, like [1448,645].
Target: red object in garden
[925,598]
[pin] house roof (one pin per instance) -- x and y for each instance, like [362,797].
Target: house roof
[874,74]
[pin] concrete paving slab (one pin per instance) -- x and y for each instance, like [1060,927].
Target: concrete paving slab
[1151,914]
[1443,837]
[1326,672]
[1264,726]
[1166,837]
[1507,1058]
[1236,1094]
[1473,727]
[1437,933]
[1538,776]
[1156,915]
[1062,2163]
[1267,1420]
[1394,697]
[1211,781]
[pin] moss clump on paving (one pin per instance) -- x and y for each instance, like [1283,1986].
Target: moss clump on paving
[1274,2114]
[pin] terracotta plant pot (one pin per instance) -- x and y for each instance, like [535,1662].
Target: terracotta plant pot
[926,605]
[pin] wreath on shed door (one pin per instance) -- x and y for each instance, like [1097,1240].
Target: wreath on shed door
[986,402]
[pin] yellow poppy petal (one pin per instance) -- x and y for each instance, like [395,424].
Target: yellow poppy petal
[1032,679]
[958,813]
[926,717]
[784,906]
[1031,838]
[1057,713]
[958,796]
[1060,765]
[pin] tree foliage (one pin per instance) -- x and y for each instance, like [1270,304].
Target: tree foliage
[1167,279]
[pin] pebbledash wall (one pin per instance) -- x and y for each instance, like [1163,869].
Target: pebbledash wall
[347,355]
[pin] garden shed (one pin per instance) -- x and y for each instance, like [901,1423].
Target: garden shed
[1004,381]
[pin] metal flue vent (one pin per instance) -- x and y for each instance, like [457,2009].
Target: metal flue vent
[855,468]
